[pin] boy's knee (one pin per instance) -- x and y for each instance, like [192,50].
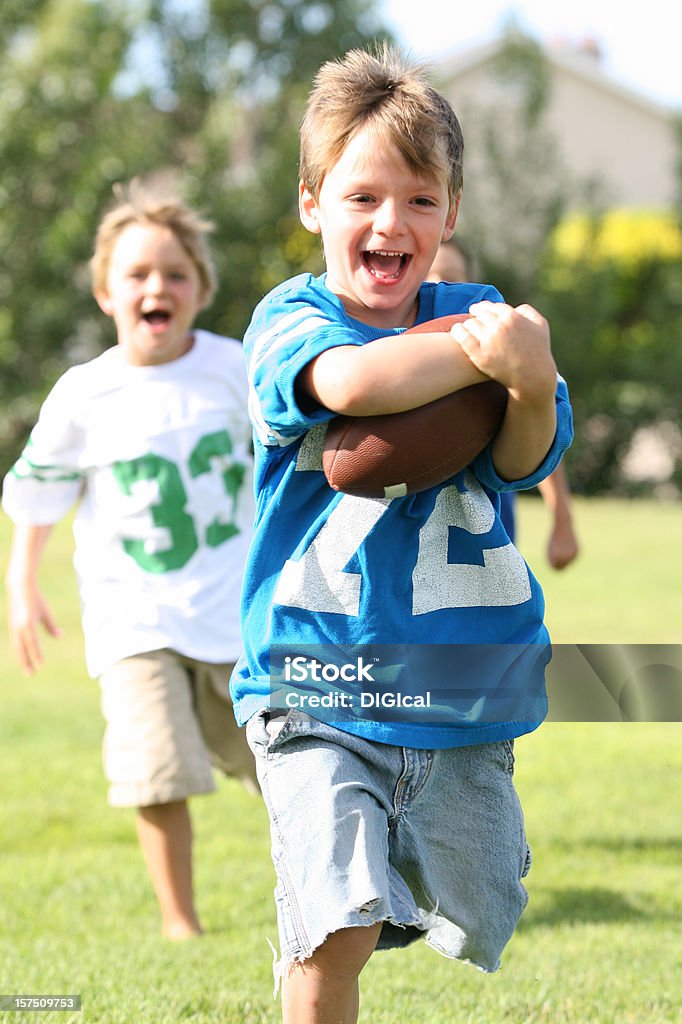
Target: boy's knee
[344,953]
[341,957]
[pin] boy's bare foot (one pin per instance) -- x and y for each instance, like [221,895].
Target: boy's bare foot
[178,931]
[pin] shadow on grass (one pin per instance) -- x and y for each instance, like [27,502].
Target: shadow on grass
[552,907]
[648,850]
[650,846]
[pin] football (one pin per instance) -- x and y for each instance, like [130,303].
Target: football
[402,453]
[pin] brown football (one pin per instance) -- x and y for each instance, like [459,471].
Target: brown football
[402,453]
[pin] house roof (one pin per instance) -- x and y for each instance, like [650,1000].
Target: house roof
[582,62]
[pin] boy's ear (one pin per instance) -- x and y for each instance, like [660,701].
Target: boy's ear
[451,220]
[307,209]
[103,301]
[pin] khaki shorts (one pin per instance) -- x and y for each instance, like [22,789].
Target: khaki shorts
[169,718]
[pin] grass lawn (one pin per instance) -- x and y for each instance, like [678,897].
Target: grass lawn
[625,586]
[598,944]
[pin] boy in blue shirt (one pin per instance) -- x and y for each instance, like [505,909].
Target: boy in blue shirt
[388,827]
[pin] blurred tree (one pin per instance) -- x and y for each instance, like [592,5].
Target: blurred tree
[64,138]
[92,93]
[611,286]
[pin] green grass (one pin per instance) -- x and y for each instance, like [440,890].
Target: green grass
[625,586]
[598,944]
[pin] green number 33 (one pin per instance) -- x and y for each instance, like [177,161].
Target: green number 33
[171,511]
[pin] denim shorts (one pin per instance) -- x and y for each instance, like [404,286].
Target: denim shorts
[429,842]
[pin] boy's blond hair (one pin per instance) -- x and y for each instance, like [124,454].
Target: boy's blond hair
[392,97]
[153,203]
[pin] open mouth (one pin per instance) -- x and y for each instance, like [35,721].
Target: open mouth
[156,317]
[385,264]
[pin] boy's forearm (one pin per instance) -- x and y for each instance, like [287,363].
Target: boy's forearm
[28,543]
[389,375]
[525,438]
[27,608]
[556,493]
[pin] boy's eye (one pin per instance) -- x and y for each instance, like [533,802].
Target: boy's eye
[424,201]
[361,199]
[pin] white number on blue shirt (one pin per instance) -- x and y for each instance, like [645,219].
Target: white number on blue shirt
[317,580]
[502,580]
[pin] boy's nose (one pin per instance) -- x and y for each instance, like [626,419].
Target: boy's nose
[388,219]
[155,283]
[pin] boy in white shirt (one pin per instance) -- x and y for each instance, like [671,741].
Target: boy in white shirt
[152,439]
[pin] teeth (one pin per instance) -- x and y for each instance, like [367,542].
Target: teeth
[385,252]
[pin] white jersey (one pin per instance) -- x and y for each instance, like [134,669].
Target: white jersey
[159,460]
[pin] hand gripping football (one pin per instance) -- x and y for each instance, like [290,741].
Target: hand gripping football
[402,453]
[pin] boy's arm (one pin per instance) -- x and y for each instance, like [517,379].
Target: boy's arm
[513,347]
[562,546]
[391,374]
[26,605]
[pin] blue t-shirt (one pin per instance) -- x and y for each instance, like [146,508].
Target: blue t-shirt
[429,581]
[508,513]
